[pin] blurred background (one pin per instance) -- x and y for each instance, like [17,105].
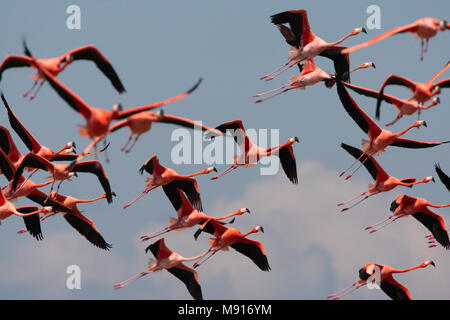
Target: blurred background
[160,49]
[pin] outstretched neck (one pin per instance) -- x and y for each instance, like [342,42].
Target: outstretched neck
[91,200]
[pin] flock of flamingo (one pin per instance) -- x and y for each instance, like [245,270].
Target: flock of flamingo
[182,190]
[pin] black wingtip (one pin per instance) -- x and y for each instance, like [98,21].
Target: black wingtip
[197,233]
[195,86]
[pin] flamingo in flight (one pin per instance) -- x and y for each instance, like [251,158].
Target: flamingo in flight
[162,176]
[404,206]
[379,139]
[58,64]
[98,120]
[252,153]
[388,284]
[443,176]
[425,29]
[404,106]
[141,122]
[309,75]
[225,237]
[422,91]
[173,263]
[61,172]
[383,181]
[29,214]
[188,216]
[85,226]
[305,44]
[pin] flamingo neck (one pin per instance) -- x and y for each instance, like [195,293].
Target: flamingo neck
[91,200]
[229,215]
[405,130]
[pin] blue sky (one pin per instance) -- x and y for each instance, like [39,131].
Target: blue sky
[160,49]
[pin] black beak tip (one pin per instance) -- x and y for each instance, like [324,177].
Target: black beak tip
[373,65]
[432,179]
[248,211]
[364,30]
[432,263]
[262,229]
[214,169]
[296,139]
[425,124]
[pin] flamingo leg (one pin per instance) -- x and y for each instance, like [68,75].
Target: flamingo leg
[358,196]
[270,91]
[421,49]
[105,150]
[353,163]
[152,235]
[281,67]
[355,204]
[342,290]
[147,190]
[136,137]
[387,222]
[399,115]
[132,279]
[348,292]
[357,168]
[32,87]
[234,166]
[273,96]
[280,72]
[37,90]
[201,261]
[126,144]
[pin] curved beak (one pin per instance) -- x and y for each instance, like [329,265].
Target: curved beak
[363,30]
[262,229]
[248,211]
[425,124]
[296,139]
[432,263]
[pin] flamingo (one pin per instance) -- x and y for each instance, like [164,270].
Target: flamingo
[424,28]
[187,215]
[443,177]
[61,172]
[30,215]
[404,206]
[252,153]
[304,43]
[58,64]
[141,122]
[173,263]
[309,75]
[422,91]
[226,237]
[99,120]
[404,106]
[383,181]
[379,139]
[163,176]
[85,226]
[388,284]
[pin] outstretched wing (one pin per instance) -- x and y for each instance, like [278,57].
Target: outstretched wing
[254,250]
[15,62]
[190,278]
[32,223]
[435,224]
[96,168]
[443,177]
[395,290]
[414,144]
[299,24]
[91,53]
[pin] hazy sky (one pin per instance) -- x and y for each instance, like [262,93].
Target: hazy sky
[160,49]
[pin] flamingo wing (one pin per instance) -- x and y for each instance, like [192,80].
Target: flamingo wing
[184,122]
[395,290]
[414,144]
[148,165]
[288,163]
[129,112]
[32,223]
[298,21]
[371,164]
[95,167]
[179,201]
[190,278]
[407,28]
[72,99]
[7,144]
[189,186]
[237,131]
[91,53]
[435,224]
[442,176]
[6,166]
[341,61]
[254,250]
[447,65]
[444,83]
[86,227]
[15,62]
[30,160]
[374,94]
[393,80]
[42,199]
[159,249]
[360,117]
[27,138]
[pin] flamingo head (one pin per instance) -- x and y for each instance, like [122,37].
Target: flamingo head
[430,178]
[368,64]
[428,262]
[209,169]
[421,123]
[258,228]
[160,113]
[359,30]
[366,272]
[244,210]
[443,25]
[436,100]
[47,209]
[294,139]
